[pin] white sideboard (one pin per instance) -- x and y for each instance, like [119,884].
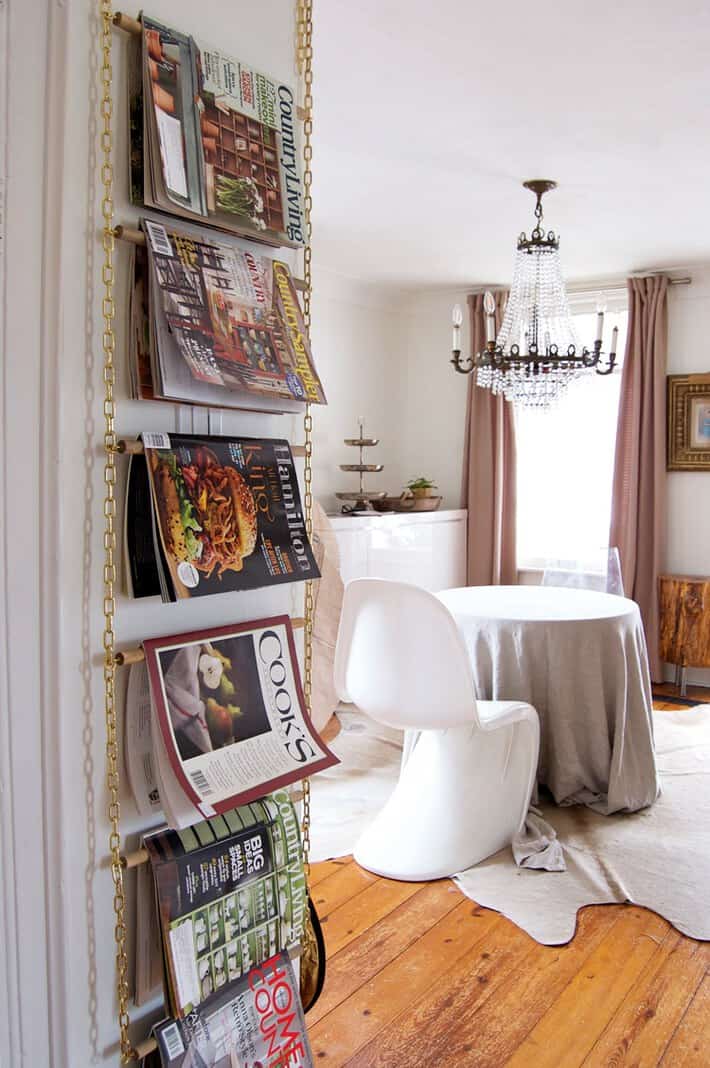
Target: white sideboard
[425,548]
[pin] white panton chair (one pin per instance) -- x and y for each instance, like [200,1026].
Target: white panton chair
[465,787]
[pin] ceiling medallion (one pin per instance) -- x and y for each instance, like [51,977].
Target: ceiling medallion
[537,352]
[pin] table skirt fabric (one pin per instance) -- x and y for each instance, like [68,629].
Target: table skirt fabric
[589,681]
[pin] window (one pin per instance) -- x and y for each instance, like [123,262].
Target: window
[566,456]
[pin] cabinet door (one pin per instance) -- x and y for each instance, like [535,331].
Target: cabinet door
[431,555]
[448,557]
[354,553]
[401,551]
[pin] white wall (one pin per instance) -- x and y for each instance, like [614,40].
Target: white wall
[431,403]
[354,346]
[57,965]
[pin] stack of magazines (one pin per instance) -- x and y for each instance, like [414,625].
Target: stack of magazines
[213,515]
[216,728]
[228,905]
[213,323]
[212,138]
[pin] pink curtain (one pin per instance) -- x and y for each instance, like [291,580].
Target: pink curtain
[489,470]
[638,515]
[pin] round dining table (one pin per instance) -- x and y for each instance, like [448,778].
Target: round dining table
[579,657]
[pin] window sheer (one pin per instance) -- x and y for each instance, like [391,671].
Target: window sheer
[566,458]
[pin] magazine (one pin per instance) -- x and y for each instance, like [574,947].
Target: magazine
[256,1023]
[141,574]
[225,722]
[215,324]
[157,369]
[218,139]
[149,972]
[141,767]
[226,515]
[230,893]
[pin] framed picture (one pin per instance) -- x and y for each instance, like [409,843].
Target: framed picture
[689,422]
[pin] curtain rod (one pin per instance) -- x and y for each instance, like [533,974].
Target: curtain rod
[620,287]
[581,288]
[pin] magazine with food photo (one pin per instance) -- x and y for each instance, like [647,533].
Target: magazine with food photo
[228,720]
[256,1023]
[220,138]
[227,514]
[230,893]
[230,317]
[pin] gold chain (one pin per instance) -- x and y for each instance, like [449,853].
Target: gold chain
[305,59]
[110,447]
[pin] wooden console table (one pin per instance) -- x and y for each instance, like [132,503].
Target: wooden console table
[684,602]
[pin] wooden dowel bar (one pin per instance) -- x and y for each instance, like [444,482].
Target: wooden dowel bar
[134,447]
[129,233]
[137,237]
[129,25]
[137,656]
[130,447]
[145,1047]
[129,656]
[135,859]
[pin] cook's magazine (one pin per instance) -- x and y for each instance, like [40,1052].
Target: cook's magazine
[230,893]
[213,323]
[226,516]
[216,718]
[256,1023]
[218,139]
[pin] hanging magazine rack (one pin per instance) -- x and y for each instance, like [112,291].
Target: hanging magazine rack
[115,446]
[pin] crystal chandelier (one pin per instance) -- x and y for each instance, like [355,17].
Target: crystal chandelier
[537,352]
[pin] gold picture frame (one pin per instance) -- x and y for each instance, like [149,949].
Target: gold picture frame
[688,438]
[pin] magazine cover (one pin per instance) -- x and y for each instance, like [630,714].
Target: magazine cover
[221,138]
[228,514]
[157,368]
[231,892]
[257,1023]
[149,965]
[233,316]
[140,763]
[228,708]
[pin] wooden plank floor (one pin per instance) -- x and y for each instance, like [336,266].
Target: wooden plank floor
[418,975]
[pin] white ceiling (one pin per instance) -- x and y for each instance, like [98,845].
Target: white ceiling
[430,113]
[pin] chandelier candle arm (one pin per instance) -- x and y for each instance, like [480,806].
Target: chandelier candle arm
[614,340]
[489,306]
[456,319]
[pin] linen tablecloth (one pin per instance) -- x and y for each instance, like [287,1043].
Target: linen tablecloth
[579,657]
